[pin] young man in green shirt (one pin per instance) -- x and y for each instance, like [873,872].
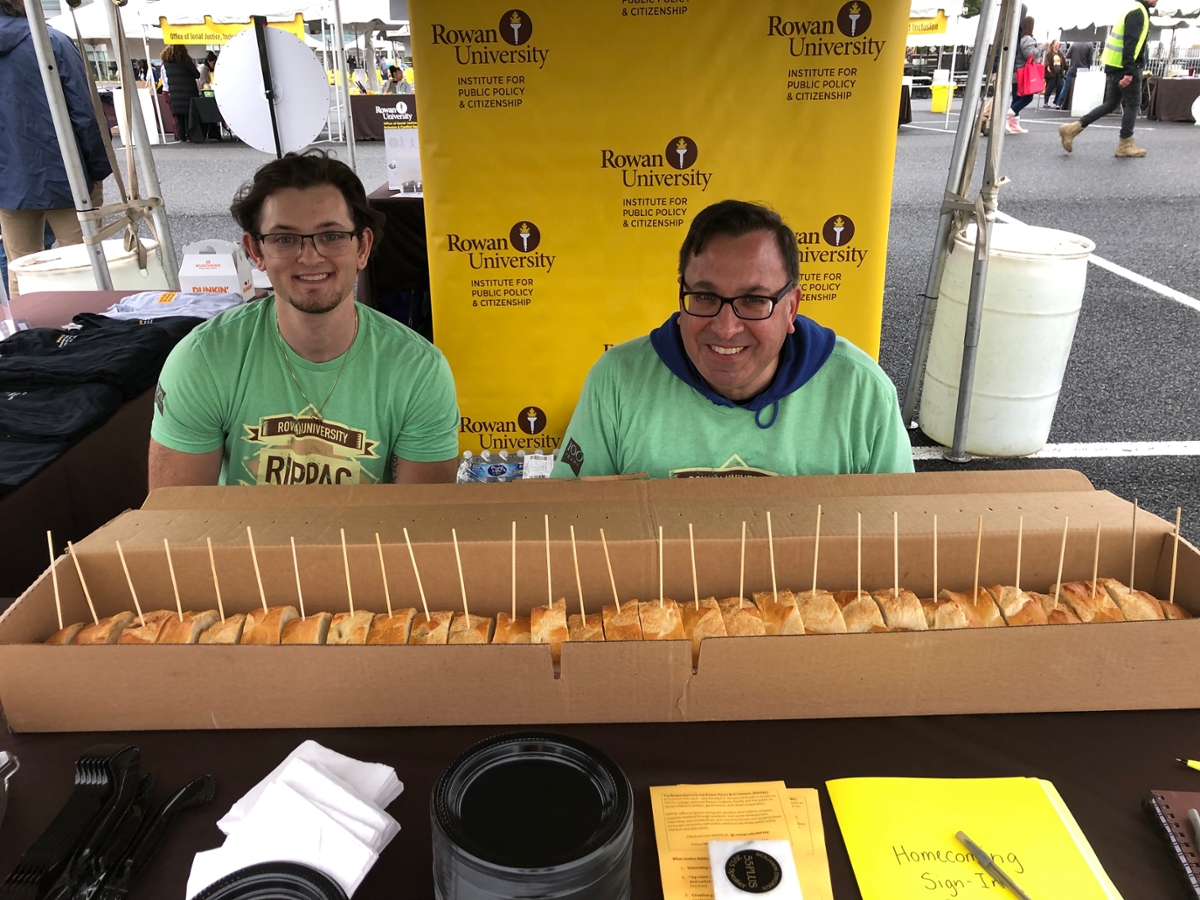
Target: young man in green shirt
[306,387]
[736,383]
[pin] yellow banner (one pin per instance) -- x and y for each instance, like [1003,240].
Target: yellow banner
[565,148]
[219,32]
[934,25]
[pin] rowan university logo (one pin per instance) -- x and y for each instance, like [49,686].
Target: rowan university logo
[854,19]
[531,420]
[838,230]
[524,237]
[516,27]
[682,153]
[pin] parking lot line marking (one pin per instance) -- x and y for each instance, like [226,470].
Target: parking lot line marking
[1148,283]
[1118,449]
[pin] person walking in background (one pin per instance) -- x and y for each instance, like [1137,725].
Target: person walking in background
[182,78]
[33,180]
[1079,56]
[1124,61]
[1056,66]
[1025,52]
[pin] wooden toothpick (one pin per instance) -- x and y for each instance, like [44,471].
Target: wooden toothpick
[346,566]
[462,585]
[514,569]
[296,569]
[54,578]
[935,559]
[742,568]
[895,554]
[660,568]
[262,595]
[816,549]
[978,550]
[1133,546]
[771,551]
[87,595]
[692,548]
[212,564]
[1174,554]
[387,594]
[611,580]
[549,580]
[174,583]
[128,581]
[1096,561]
[1020,541]
[858,582]
[578,582]
[1062,554]
[417,573]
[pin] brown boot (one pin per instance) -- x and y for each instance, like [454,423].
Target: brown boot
[1067,133]
[1126,147]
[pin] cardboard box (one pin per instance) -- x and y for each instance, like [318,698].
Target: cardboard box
[1143,665]
[216,267]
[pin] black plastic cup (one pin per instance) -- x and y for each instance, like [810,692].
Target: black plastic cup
[532,816]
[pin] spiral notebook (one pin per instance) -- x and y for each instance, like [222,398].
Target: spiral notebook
[1169,811]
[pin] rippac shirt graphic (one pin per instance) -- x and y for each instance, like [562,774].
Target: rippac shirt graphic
[305,449]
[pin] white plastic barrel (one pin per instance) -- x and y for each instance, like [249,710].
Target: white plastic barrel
[69,269]
[1031,303]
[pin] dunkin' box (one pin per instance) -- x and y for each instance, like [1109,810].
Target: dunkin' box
[1056,518]
[216,267]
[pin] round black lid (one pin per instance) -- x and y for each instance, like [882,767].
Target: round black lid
[274,881]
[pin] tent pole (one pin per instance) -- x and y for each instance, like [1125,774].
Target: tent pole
[341,47]
[950,99]
[976,75]
[72,161]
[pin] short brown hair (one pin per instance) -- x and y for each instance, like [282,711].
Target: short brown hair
[14,8]
[735,218]
[313,168]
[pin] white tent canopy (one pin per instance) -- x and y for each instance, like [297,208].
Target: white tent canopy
[93,23]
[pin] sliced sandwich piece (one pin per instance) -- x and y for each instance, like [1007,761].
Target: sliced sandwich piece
[779,614]
[901,612]
[548,625]
[65,635]
[820,613]
[1170,610]
[1136,606]
[981,610]
[661,620]
[312,630]
[943,615]
[106,631]
[227,632]
[625,625]
[589,629]
[137,633]
[266,626]
[702,623]
[512,631]
[1089,602]
[465,629]
[860,613]
[350,628]
[432,630]
[189,630]
[742,618]
[393,629]
[1018,607]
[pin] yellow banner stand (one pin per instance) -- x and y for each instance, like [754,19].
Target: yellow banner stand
[565,148]
[211,32]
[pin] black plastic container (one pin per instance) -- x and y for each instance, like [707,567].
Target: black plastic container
[532,816]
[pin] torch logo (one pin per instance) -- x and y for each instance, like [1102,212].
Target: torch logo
[682,153]
[838,231]
[524,237]
[531,420]
[516,27]
[854,18]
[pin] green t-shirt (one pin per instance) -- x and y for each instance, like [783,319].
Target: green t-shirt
[227,385]
[635,415]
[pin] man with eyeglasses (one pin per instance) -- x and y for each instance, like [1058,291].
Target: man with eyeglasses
[735,382]
[306,386]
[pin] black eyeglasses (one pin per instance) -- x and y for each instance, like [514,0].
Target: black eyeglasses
[285,245]
[707,305]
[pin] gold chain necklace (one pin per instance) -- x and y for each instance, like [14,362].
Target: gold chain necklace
[345,356]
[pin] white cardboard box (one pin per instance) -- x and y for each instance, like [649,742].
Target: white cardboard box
[216,267]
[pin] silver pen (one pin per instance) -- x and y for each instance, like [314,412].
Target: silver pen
[989,866]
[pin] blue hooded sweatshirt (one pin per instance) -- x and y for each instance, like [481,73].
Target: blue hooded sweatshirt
[32,175]
[804,352]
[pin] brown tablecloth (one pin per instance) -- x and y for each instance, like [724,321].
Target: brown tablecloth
[371,111]
[905,104]
[1102,763]
[1171,99]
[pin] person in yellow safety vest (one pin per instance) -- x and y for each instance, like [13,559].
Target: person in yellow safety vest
[1124,60]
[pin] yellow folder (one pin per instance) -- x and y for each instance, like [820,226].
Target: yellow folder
[900,833]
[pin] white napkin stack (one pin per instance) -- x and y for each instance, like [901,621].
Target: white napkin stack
[318,808]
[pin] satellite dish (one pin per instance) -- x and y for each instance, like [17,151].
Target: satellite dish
[300,84]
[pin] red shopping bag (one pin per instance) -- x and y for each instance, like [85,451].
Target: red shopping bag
[1031,78]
